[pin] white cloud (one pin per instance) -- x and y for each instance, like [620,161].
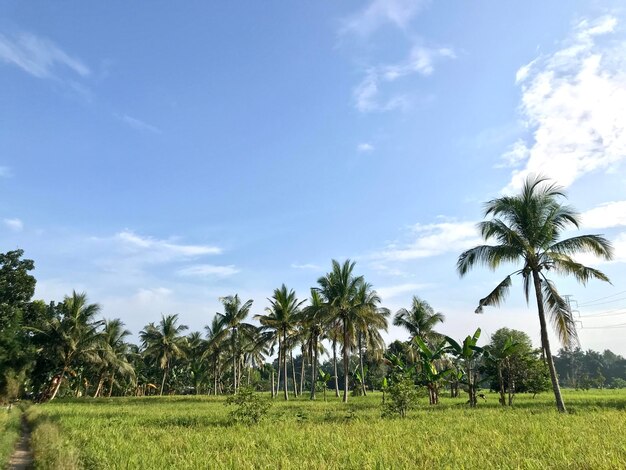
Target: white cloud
[312,267]
[365,147]
[139,124]
[390,292]
[37,56]
[156,250]
[619,253]
[516,154]
[380,13]
[14,224]
[432,240]
[208,270]
[421,61]
[573,102]
[609,214]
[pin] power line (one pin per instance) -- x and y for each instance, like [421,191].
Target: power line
[602,298]
[603,303]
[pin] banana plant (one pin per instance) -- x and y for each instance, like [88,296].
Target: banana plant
[427,372]
[469,354]
[324,378]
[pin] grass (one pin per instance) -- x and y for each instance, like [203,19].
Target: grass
[9,433]
[195,432]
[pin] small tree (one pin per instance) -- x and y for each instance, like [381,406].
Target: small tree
[469,354]
[402,398]
[250,408]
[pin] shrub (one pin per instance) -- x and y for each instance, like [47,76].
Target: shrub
[250,408]
[50,450]
[402,397]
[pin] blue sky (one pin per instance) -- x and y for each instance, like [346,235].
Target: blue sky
[159,158]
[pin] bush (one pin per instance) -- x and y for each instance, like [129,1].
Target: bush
[50,450]
[402,397]
[250,408]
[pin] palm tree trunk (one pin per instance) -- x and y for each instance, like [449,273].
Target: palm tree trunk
[215,375]
[234,334]
[284,345]
[313,365]
[111,386]
[302,373]
[58,384]
[545,343]
[163,381]
[100,384]
[346,365]
[335,367]
[293,374]
[273,389]
[361,365]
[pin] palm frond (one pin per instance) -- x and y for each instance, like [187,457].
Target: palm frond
[560,314]
[496,296]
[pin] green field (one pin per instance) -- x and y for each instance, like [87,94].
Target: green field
[195,432]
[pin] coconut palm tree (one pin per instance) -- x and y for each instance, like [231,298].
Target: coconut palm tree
[215,336]
[114,355]
[281,319]
[314,317]
[72,336]
[233,320]
[419,320]
[164,342]
[369,320]
[527,229]
[339,289]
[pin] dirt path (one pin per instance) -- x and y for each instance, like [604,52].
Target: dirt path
[22,457]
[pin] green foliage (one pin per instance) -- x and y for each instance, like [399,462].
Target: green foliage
[402,397]
[618,383]
[250,407]
[9,433]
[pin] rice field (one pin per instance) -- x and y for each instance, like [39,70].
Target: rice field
[196,432]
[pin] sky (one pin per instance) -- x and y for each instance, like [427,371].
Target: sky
[160,157]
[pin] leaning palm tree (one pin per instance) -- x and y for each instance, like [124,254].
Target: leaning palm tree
[113,353]
[527,229]
[233,320]
[164,342]
[419,320]
[281,319]
[73,336]
[339,289]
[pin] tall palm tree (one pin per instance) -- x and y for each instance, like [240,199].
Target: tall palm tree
[164,342]
[215,336]
[370,319]
[233,320]
[114,354]
[72,335]
[314,318]
[419,320]
[527,229]
[281,319]
[339,289]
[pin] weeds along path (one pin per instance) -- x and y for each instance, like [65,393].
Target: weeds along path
[22,457]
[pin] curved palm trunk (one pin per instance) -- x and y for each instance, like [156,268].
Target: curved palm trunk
[346,365]
[58,384]
[545,344]
[335,367]
[164,376]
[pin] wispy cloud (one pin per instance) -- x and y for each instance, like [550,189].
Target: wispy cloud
[161,250]
[38,56]
[365,147]
[431,240]
[312,267]
[573,102]
[389,292]
[609,214]
[207,270]
[14,224]
[139,125]
[5,172]
[379,13]
[421,61]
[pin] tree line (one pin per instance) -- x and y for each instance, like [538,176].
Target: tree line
[66,348]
